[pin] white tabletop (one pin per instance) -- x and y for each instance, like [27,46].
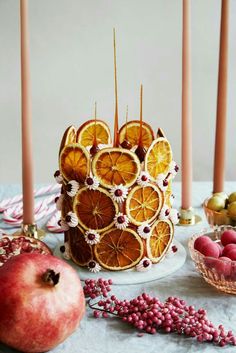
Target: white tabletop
[112,336]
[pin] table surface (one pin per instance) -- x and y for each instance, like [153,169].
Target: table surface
[109,335]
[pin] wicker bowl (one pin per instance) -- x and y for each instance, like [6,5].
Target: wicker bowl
[219,273]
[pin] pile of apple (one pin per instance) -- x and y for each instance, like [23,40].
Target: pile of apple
[219,255]
[224,204]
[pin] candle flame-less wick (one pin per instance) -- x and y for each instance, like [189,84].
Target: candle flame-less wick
[95,125]
[116,128]
[126,122]
[141,116]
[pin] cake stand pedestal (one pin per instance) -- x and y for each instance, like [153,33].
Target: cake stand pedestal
[169,265]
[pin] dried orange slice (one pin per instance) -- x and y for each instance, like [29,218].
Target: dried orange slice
[144,203]
[119,249]
[68,137]
[159,240]
[95,209]
[81,252]
[115,166]
[92,128]
[158,157]
[74,162]
[131,131]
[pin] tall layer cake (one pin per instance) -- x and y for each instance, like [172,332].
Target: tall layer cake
[116,196]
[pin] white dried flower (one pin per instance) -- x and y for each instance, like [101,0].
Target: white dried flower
[143,179]
[59,202]
[72,187]
[174,216]
[58,177]
[119,193]
[164,214]
[144,265]
[91,237]
[91,182]
[121,221]
[173,168]
[144,230]
[71,219]
[94,266]
[162,182]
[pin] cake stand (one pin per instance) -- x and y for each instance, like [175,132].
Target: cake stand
[167,266]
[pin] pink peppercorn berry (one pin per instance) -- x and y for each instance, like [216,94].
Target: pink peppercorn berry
[149,314]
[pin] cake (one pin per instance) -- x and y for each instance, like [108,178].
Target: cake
[116,198]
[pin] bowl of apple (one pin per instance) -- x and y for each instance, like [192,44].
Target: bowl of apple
[214,256]
[220,209]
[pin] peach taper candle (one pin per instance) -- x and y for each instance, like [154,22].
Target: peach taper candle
[186,110]
[116,124]
[187,214]
[220,134]
[27,157]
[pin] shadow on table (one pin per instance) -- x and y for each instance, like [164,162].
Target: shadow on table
[5,349]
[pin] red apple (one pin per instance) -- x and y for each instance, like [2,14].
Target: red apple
[228,248]
[211,249]
[228,237]
[201,241]
[41,302]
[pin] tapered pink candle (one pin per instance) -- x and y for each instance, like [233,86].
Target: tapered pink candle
[186,110]
[220,134]
[27,158]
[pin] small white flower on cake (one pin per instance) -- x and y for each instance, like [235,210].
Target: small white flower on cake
[91,182]
[119,193]
[91,237]
[58,177]
[64,226]
[171,251]
[174,216]
[94,266]
[144,230]
[174,168]
[59,202]
[65,250]
[143,179]
[71,219]
[165,212]
[144,265]
[72,187]
[121,221]
[162,182]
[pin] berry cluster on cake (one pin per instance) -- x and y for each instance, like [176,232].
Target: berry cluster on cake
[116,198]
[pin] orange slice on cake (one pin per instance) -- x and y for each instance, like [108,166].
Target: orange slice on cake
[131,131]
[119,249]
[81,252]
[144,203]
[87,132]
[115,166]
[160,239]
[68,137]
[74,162]
[158,157]
[95,209]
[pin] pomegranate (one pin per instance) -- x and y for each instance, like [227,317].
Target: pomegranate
[41,302]
[15,245]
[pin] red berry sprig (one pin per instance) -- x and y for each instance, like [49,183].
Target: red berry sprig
[150,315]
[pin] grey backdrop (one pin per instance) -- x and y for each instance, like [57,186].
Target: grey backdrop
[72,66]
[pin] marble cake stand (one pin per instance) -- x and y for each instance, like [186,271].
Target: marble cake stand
[170,264]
